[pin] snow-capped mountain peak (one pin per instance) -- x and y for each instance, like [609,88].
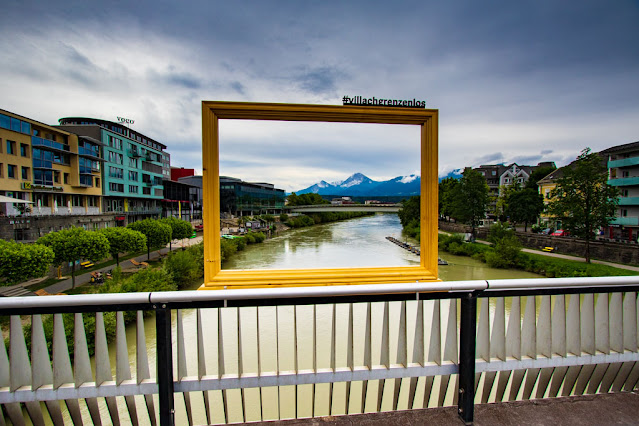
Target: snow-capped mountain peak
[359,184]
[408,179]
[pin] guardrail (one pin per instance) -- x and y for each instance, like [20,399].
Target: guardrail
[323,350]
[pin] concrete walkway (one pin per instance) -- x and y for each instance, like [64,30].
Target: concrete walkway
[602,409]
[64,285]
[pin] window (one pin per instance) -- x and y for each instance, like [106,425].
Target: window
[60,200]
[25,173]
[43,177]
[624,193]
[133,176]
[66,178]
[97,182]
[494,173]
[115,142]
[1,171]
[624,212]
[77,201]
[133,189]
[11,147]
[625,174]
[56,176]
[146,191]
[92,201]
[116,187]
[24,150]
[11,171]
[133,162]
[116,172]
[116,158]
[41,199]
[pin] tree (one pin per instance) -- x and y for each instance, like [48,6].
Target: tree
[71,245]
[123,240]
[179,228]
[306,199]
[582,199]
[410,211]
[21,262]
[537,175]
[157,234]
[447,188]
[471,198]
[524,206]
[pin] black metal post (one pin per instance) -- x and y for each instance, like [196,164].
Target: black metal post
[164,365]
[467,340]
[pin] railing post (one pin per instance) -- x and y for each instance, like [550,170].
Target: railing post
[164,364]
[467,340]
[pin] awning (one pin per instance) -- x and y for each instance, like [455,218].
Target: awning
[4,199]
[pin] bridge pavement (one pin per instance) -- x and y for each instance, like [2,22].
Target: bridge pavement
[602,409]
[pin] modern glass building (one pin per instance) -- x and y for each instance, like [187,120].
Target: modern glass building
[133,167]
[240,198]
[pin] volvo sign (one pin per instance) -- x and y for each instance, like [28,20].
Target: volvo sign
[125,120]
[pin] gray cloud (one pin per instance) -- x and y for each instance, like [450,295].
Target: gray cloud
[521,81]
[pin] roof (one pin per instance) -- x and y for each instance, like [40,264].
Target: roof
[632,146]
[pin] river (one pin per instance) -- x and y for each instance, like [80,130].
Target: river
[357,242]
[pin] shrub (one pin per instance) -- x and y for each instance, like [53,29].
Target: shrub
[283,217]
[505,254]
[182,268]
[498,231]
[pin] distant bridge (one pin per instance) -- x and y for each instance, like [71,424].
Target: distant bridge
[318,208]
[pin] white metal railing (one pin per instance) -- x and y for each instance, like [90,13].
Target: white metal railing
[246,355]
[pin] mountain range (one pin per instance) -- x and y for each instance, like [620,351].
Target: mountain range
[359,184]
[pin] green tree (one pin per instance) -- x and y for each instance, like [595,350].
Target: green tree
[537,175]
[157,234]
[306,199]
[72,245]
[447,190]
[410,211]
[179,228]
[524,206]
[21,262]
[471,198]
[582,199]
[123,240]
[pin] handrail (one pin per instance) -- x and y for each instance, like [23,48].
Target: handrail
[525,285]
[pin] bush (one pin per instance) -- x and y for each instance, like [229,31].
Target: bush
[283,217]
[505,254]
[182,268]
[498,231]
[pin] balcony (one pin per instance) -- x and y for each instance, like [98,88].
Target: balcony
[626,221]
[629,201]
[624,162]
[134,153]
[627,181]
[41,142]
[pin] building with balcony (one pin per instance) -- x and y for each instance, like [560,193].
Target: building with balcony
[623,172]
[57,171]
[134,167]
[499,176]
[239,198]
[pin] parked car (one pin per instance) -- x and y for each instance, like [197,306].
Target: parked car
[560,233]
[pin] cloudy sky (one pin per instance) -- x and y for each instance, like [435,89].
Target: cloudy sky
[514,81]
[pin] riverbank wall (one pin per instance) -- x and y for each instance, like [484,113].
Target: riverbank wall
[627,253]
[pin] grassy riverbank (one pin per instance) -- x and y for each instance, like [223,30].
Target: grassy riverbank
[507,254]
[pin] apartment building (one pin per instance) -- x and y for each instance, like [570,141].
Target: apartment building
[134,166]
[623,172]
[58,172]
[499,176]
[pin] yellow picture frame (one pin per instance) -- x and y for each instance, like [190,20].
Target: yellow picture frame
[215,278]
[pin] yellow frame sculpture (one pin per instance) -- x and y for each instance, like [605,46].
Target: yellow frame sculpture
[215,278]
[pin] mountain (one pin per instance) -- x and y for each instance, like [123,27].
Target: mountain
[359,184]
[456,174]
